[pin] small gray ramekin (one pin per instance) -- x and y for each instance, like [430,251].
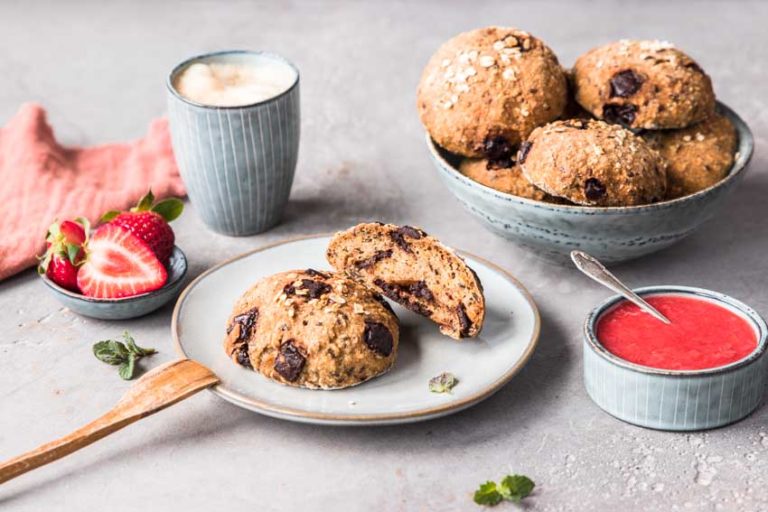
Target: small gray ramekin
[678,400]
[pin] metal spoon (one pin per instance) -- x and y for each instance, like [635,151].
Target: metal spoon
[597,272]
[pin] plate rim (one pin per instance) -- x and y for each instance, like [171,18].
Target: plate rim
[290,413]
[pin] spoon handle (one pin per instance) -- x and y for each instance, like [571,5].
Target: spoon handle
[596,271]
[158,389]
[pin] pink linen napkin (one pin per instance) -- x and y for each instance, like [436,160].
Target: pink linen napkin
[41,181]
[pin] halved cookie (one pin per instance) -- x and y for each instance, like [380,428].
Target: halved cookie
[313,329]
[416,271]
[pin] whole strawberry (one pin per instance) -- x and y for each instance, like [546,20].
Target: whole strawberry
[149,222]
[64,253]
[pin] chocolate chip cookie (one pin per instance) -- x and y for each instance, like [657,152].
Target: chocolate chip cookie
[593,163]
[698,156]
[313,329]
[643,84]
[485,90]
[415,270]
[509,180]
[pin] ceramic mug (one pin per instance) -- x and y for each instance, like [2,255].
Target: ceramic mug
[237,162]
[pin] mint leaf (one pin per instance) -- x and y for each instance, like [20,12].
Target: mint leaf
[169,209]
[487,494]
[443,383]
[134,348]
[516,487]
[127,368]
[511,488]
[125,355]
[110,352]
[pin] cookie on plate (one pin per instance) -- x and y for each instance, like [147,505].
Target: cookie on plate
[698,156]
[509,180]
[485,90]
[414,270]
[643,84]
[593,163]
[313,329]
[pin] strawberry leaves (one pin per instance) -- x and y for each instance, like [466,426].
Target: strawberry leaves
[145,203]
[108,216]
[65,241]
[123,354]
[169,209]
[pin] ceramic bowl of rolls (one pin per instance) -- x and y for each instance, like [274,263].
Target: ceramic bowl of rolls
[623,154]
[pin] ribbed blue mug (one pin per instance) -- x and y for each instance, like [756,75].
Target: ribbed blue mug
[237,163]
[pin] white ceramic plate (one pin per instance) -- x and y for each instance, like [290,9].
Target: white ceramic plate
[482,365]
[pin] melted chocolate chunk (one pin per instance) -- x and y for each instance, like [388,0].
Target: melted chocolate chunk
[499,152]
[316,273]
[418,308]
[242,357]
[525,148]
[378,338]
[399,236]
[403,294]
[621,114]
[411,232]
[594,189]
[464,323]
[289,361]
[626,83]
[315,289]
[377,256]
[420,290]
[246,321]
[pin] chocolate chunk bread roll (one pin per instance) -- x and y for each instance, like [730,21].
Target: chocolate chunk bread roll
[416,271]
[313,329]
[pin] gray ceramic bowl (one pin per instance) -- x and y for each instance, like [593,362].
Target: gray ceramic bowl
[610,234]
[676,399]
[128,307]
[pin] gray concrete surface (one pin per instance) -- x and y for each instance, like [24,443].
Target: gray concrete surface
[99,69]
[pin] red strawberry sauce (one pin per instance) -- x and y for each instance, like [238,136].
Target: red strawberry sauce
[702,334]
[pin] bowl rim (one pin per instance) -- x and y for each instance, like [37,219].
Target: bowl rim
[744,150]
[93,300]
[208,55]
[758,322]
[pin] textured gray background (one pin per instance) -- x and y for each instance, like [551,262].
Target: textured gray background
[99,69]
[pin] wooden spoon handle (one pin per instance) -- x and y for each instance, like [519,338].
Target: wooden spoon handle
[158,389]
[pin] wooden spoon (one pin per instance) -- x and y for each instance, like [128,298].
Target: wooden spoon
[159,388]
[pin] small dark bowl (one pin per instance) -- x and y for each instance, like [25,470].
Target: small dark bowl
[127,307]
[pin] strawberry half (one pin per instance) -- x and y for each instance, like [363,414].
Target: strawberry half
[119,264]
[149,222]
[64,252]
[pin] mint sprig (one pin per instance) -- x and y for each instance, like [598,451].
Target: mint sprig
[510,488]
[123,354]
